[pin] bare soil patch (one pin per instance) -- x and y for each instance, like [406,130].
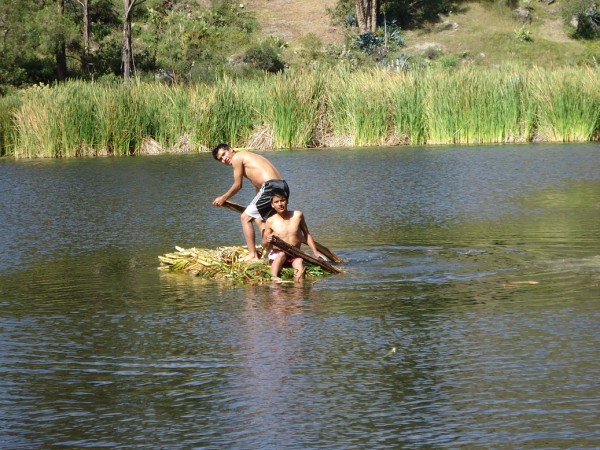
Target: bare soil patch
[293,19]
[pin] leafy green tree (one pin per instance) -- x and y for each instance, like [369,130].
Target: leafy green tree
[40,41]
[13,33]
[185,42]
[127,59]
[105,51]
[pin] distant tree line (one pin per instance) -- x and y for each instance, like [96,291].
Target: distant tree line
[53,40]
[192,40]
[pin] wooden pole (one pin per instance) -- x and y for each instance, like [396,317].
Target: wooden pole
[332,256]
[293,251]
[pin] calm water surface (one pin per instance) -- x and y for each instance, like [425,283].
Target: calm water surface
[468,316]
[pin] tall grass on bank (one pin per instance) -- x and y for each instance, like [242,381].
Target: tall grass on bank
[408,108]
[359,107]
[474,107]
[162,112]
[231,116]
[8,106]
[301,109]
[568,104]
[291,109]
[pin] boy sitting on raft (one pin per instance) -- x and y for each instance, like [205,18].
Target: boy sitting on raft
[289,226]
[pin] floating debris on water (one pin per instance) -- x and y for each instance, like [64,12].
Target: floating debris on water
[520,283]
[391,352]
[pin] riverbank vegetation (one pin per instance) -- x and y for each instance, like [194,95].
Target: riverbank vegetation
[324,108]
[108,77]
[194,41]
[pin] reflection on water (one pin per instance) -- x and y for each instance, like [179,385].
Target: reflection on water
[466,317]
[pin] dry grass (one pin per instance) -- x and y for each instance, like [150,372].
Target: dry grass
[478,34]
[293,19]
[485,35]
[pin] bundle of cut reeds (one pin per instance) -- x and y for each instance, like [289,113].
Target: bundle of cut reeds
[223,263]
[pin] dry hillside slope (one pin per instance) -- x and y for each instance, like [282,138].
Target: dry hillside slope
[294,19]
[474,32]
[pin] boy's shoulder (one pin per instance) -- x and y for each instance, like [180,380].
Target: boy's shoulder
[294,213]
[291,214]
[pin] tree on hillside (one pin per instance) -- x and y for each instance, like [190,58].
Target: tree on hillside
[53,33]
[85,26]
[127,56]
[60,51]
[584,17]
[407,13]
[366,15]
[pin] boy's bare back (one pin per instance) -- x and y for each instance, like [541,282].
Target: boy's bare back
[255,168]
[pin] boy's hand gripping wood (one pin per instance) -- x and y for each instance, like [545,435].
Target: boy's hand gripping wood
[332,256]
[293,251]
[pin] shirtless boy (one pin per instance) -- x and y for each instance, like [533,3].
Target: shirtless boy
[263,175]
[289,226]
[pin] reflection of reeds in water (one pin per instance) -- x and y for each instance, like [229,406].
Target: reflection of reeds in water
[223,263]
[301,109]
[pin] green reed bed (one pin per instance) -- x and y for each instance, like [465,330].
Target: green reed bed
[120,119]
[76,112]
[292,108]
[568,104]
[301,109]
[359,106]
[171,113]
[473,107]
[77,119]
[8,106]
[151,107]
[231,116]
[36,124]
[408,107]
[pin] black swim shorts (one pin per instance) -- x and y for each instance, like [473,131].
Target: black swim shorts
[260,206]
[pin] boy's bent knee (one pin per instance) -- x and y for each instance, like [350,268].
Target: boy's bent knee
[246,218]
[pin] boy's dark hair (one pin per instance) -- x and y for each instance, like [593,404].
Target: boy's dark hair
[219,147]
[279,193]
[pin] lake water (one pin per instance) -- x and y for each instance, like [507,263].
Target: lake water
[468,315]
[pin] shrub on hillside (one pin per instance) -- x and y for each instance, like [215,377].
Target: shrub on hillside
[265,56]
[584,17]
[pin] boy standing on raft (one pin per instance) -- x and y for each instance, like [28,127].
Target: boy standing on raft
[289,226]
[263,175]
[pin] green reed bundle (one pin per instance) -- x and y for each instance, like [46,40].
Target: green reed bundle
[224,263]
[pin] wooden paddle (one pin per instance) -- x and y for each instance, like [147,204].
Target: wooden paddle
[293,251]
[332,256]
